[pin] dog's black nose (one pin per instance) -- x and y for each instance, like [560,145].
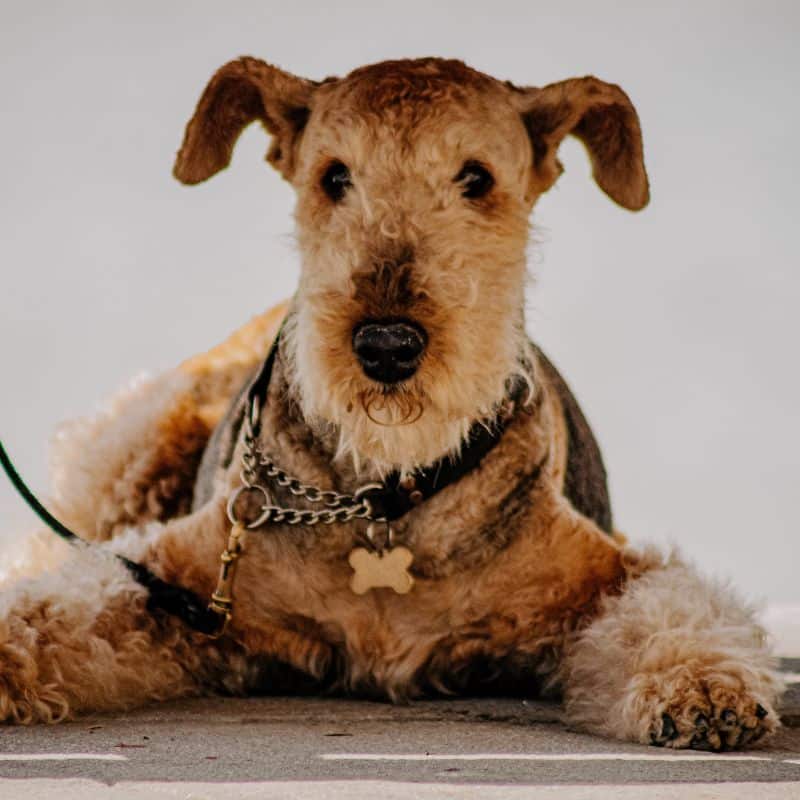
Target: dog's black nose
[389,352]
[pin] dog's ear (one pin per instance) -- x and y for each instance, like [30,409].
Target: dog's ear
[604,119]
[239,93]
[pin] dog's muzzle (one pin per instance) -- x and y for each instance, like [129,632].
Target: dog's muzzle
[389,351]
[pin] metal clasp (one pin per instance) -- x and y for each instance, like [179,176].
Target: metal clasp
[222,597]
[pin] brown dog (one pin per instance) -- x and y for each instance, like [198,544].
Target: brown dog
[403,362]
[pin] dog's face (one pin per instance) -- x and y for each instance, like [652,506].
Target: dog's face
[415,181]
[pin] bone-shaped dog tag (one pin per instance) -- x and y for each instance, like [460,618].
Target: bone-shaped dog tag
[373,570]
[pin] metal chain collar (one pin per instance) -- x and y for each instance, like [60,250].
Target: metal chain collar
[339,507]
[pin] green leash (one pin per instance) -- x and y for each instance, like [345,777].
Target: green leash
[162,596]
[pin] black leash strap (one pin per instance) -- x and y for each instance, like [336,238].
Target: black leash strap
[162,596]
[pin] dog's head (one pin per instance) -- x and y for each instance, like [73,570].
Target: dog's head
[415,181]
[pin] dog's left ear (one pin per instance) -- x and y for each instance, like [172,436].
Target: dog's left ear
[604,119]
[239,93]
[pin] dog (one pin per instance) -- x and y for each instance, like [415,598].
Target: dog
[405,497]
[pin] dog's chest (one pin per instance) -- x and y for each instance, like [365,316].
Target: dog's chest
[497,616]
[497,578]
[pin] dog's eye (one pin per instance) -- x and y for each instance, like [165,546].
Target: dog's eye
[475,180]
[336,181]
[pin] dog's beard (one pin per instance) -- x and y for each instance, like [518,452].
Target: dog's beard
[397,445]
[403,427]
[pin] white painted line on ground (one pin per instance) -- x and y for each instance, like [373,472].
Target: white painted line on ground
[62,757]
[47,789]
[791,761]
[536,757]
[791,677]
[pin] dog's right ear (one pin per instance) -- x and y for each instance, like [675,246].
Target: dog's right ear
[239,93]
[600,115]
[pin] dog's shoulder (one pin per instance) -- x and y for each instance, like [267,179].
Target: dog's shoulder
[585,481]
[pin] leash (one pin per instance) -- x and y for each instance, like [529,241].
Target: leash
[162,596]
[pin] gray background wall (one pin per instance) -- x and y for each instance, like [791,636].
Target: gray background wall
[677,327]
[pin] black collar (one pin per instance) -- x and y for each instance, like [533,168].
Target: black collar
[398,495]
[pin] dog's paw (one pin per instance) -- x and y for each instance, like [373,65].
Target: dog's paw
[714,712]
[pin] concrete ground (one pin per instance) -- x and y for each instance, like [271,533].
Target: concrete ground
[321,748]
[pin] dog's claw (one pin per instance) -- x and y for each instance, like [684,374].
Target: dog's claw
[729,717]
[701,723]
[707,737]
[669,731]
[747,735]
[700,742]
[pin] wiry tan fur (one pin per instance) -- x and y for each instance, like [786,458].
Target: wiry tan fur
[518,580]
[677,643]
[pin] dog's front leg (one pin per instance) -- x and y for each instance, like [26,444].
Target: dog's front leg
[81,639]
[676,660]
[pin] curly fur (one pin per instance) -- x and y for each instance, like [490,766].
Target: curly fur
[676,643]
